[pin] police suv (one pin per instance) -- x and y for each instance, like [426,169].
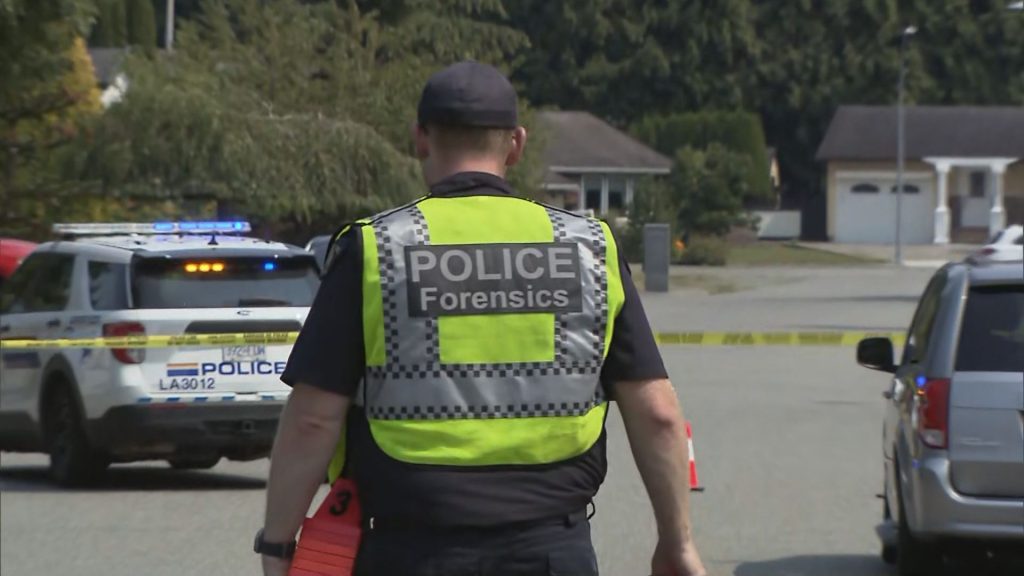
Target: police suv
[89,407]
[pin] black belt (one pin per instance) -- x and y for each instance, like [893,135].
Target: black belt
[409,524]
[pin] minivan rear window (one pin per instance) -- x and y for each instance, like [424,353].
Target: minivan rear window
[217,282]
[992,334]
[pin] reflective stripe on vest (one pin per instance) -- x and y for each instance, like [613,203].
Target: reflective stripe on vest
[470,361]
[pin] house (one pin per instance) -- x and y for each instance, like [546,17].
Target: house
[963,178]
[107,63]
[592,165]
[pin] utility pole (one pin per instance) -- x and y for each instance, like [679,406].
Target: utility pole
[169,26]
[901,143]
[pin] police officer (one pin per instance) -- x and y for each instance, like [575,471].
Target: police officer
[469,344]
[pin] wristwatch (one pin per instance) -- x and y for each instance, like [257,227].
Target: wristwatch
[274,549]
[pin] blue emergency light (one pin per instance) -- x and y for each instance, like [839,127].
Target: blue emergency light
[269,266]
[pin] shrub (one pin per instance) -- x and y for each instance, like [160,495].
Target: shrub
[738,132]
[707,189]
[705,251]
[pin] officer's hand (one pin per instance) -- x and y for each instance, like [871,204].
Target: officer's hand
[275,566]
[675,559]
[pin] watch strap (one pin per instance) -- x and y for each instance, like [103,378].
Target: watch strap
[273,549]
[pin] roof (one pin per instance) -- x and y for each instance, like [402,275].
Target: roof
[107,63]
[996,272]
[188,243]
[556,181]
[581,142]
[869,132]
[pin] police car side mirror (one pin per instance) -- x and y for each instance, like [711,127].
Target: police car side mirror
[876,354]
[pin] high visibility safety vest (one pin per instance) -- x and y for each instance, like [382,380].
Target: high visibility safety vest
[486,320]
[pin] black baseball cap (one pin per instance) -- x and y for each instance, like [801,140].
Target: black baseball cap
[469,94]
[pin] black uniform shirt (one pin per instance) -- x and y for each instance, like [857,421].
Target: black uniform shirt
[330,355]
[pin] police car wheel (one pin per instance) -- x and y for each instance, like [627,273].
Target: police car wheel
[194,462]
[73,462]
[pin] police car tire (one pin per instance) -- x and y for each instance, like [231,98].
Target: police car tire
[73,462]
[194,462]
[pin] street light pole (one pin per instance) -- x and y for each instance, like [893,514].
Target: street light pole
[900,143]
[169,26]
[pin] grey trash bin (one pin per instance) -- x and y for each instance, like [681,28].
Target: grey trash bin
[656,257]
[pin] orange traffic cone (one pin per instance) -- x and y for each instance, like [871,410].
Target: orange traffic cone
[330,539]
[694,482]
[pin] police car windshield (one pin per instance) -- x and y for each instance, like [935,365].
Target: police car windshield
[218,282]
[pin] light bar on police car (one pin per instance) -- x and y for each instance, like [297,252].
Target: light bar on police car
[202,227]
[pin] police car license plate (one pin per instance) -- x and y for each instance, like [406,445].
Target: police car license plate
[250,353]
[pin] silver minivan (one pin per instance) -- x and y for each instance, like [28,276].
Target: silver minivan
[953,434]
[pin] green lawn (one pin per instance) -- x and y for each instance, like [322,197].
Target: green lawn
[785,253]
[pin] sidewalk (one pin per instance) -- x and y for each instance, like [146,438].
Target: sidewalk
[918,255]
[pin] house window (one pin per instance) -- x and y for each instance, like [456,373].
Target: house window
[864,188]
[908,189]
[977,185]
[592,193]
[617,194]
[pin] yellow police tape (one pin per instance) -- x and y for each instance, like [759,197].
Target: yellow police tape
[282,338]
[772,338]
[157,341]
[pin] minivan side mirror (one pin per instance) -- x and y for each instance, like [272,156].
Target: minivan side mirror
[876,354]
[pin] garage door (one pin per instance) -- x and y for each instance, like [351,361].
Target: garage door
[866,211]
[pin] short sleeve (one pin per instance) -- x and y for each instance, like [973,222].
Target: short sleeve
[329,352]
[633,354]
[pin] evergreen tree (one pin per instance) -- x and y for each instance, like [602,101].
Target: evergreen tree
[47,95]
[286,110]
[119,22]
[102,31]
[141,23]
[624,59]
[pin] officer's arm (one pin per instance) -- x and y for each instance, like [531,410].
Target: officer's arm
[307,435]
[657,435]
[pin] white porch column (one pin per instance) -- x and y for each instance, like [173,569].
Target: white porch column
[629,193]
[604,196]
[942,203]
[997,217]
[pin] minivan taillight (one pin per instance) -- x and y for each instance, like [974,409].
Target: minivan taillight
[123,330]
[933,412]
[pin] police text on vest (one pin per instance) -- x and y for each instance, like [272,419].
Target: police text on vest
[468,279]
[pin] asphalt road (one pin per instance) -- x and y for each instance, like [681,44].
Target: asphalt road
[787,444]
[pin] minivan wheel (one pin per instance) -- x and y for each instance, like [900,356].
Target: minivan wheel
[73,462]
[913,556]
[200,462]
[890,553]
